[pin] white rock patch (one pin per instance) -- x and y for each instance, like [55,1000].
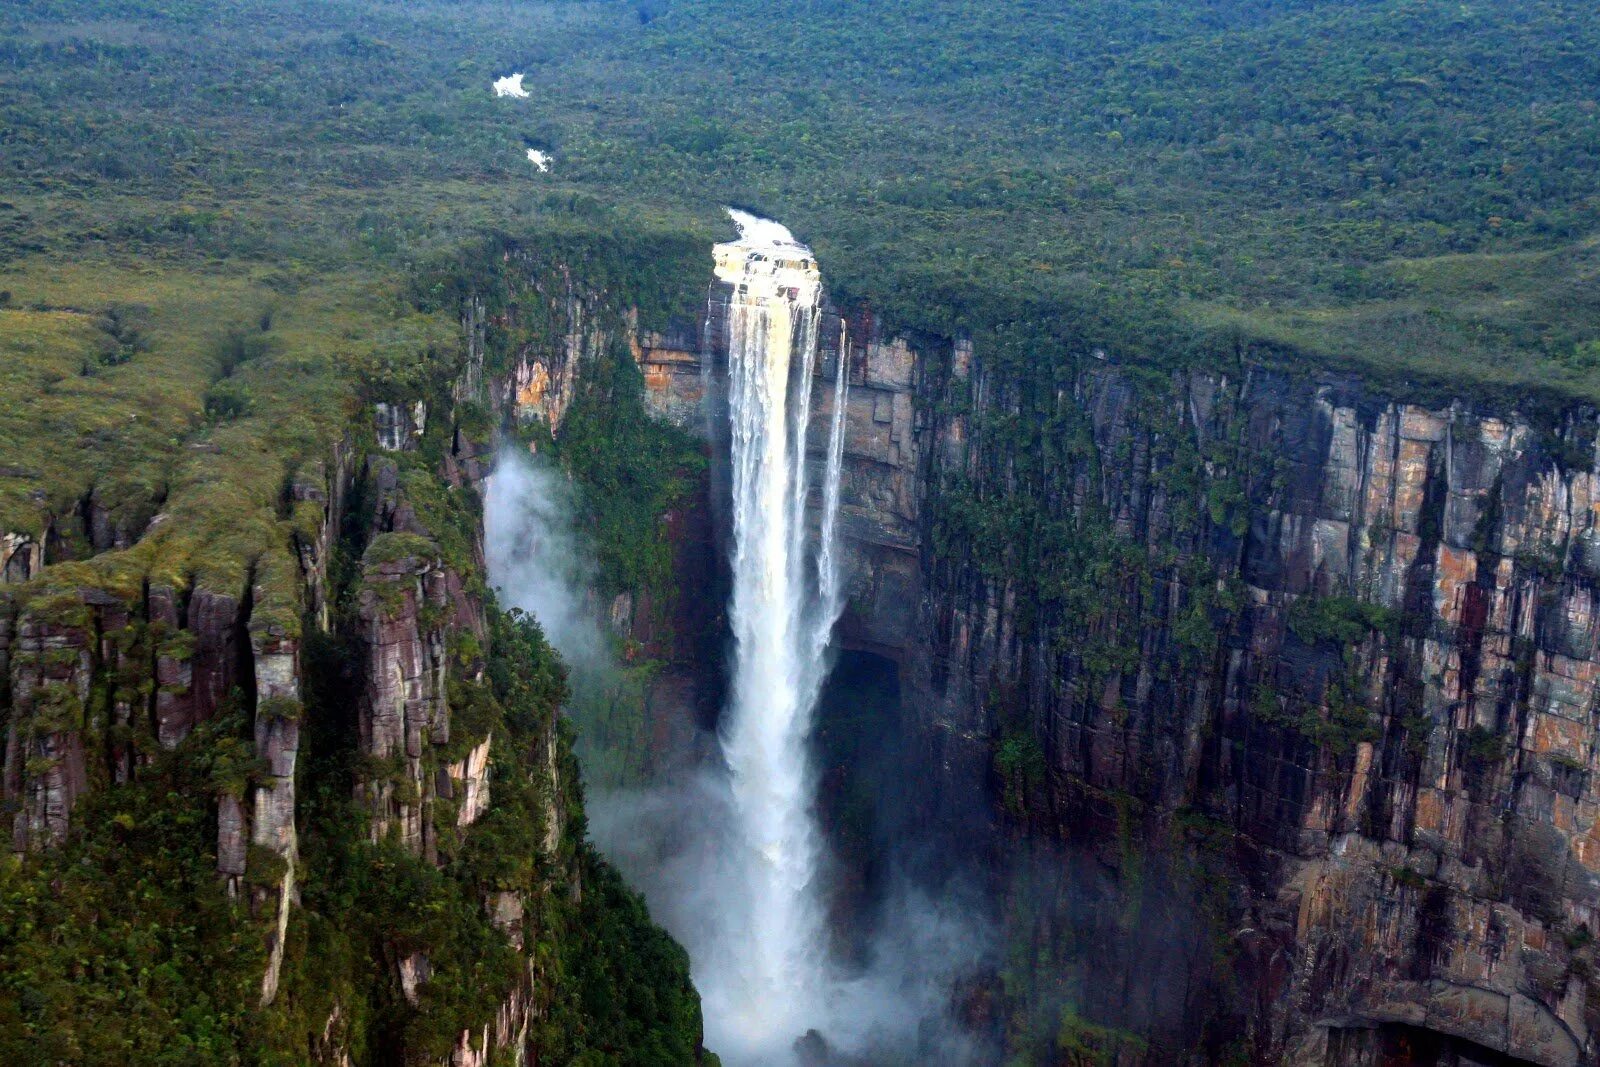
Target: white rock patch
[510,85]
[539,159]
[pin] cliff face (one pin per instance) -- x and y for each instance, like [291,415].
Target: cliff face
[1343,647]
[1270,700]
[558,351]
[357,761]
[109,669]
[1364,638]
[1381,669]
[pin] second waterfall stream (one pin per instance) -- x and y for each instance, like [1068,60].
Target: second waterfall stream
[785,601]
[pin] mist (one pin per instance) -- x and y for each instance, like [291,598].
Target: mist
[896,1003]
[534,558]
[679,840]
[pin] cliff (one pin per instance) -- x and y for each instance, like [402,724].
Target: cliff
[1298,674]
[1268,695]
[577,361]
[1265,699]
[282,780]
[1355,632]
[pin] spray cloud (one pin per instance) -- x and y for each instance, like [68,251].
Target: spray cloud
[534,556]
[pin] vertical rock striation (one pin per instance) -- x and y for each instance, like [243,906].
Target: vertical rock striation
[323,703]
[1359,632]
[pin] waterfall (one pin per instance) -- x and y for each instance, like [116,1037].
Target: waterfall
[729,854]
[772,985]
[829,603]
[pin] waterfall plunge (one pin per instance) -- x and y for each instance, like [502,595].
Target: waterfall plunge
[728,855]
[773,985]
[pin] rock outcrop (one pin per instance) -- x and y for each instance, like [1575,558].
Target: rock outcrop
[101,674]
[103,679]
[318,699]
[413,602]
[1319,661]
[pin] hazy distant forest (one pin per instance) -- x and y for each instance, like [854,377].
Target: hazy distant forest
[1404,183]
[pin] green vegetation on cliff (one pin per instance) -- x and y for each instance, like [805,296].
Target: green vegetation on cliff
[232,381]
[363,899]
[236,403]
[124,945]
[630,469]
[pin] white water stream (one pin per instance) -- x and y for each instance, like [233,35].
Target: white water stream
[771,982]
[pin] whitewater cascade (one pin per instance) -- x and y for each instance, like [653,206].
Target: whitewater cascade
[782,616]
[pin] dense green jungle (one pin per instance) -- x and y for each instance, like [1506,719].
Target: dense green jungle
[271,272]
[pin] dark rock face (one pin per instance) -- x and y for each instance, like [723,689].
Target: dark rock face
[97,680]
[1394,693]
[1284,692]
[95,675]
[407,607]
[373,557]
[45,771]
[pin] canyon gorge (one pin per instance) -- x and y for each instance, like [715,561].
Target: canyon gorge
[1271,695]
[1258,706]
[579,533]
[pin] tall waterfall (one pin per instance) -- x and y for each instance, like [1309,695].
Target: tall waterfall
[773,982]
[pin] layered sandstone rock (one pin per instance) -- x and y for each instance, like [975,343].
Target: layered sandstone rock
[1438,856]
[104,673]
